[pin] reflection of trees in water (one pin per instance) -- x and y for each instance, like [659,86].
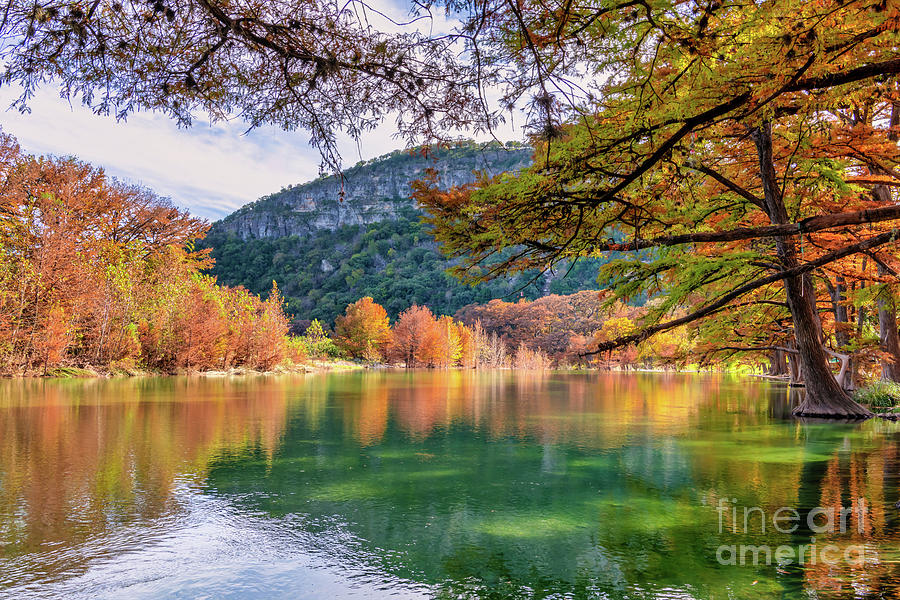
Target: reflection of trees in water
[614,470]
[592,409]
[853,471]
[81,457]
[480,483]
[497,481]
[805,465]
[782,398]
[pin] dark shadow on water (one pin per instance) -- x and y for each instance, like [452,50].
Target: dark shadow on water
[781,399]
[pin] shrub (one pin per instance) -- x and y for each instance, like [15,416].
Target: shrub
[317,342]
[530,360]
[296,348]
[880,394]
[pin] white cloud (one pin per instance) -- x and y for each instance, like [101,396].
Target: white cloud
[210,169]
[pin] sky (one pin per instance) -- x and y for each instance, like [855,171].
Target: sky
[210,169]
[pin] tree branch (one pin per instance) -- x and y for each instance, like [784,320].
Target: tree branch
[756,200]
[753,349]
[863,246]
[809,225]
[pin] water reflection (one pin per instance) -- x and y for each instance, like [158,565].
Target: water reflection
[80,460]
[469,484]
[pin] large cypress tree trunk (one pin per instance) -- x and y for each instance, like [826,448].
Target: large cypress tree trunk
[889,340]
[778,366]
[824,396]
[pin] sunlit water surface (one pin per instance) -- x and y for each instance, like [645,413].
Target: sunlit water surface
[431,484]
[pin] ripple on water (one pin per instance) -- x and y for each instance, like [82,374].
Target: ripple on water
[205,549]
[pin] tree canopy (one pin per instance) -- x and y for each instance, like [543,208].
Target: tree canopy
[363,331]
[94,272]
[742,143]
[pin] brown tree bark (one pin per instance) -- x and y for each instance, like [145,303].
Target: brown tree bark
[860,324]
[824,397]
[778,366]
[809,225]
[888,337]
[841,318]
[796,377]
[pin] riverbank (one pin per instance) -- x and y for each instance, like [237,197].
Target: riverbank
[91,371]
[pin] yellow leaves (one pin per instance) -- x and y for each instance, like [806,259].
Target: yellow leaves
[363,330]
[616,327]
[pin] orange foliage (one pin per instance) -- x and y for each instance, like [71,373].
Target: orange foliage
[440,344]
[565,328]
[363,331]
[420,339]
[409,334]
[96,272]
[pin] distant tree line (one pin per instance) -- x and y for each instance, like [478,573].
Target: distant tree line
[551,331]
[419,338]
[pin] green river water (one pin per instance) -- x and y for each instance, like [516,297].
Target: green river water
[440,485]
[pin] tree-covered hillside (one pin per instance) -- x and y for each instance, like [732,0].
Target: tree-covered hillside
[395,261]
[328,243]
[371,191]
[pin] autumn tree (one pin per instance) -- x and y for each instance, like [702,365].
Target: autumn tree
[55,335]
[468,351]
[716,147]
[440,344]
[409,334]
[547,323]
[199,328]
[363,331]
[529,359]
[77,249]
[96,272]
[271,330]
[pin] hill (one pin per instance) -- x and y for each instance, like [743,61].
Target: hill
[327,249]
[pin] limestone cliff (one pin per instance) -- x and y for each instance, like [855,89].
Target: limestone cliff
[373,191]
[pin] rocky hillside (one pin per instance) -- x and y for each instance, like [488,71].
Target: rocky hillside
[373,191]
[325,251]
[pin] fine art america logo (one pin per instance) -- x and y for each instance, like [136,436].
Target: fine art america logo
[821,521]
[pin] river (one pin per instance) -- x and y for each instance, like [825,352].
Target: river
[440,484]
